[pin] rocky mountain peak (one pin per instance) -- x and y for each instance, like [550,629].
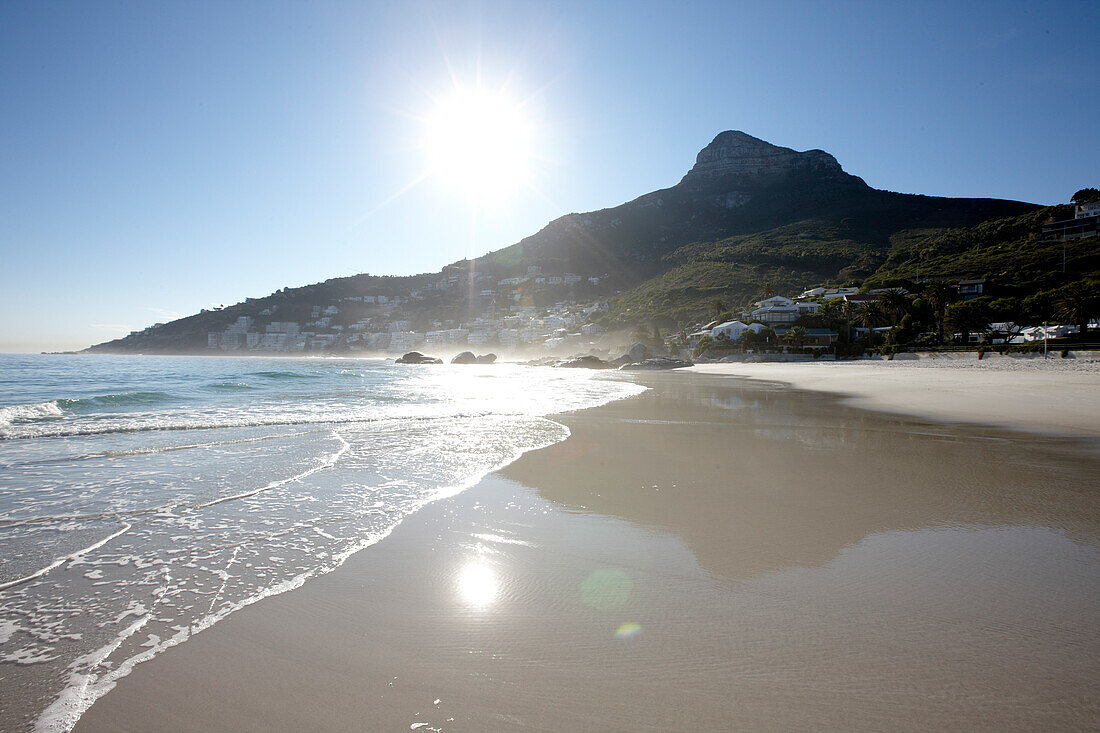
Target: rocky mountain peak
[737,157]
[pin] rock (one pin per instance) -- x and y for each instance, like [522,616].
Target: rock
[466,357]
[486,359]
[415,357]
[743,159]
[638,352]
[543,361]
[660,362]
[585,362]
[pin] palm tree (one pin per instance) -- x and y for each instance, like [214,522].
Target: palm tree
[940,295]
[870,315]
[965,318]
[796,336]
[718,306]
[849,312]
[1079,303]
[897,304]
[767,290]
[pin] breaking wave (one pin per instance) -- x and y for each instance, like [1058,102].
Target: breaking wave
[21,413]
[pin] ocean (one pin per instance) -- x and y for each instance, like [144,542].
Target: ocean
[143,499]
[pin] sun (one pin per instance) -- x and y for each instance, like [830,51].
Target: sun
[478,143]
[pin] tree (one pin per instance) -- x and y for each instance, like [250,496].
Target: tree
[717,306]
[767,290]
[939,296]
[1086,196]
[750,338]
[967,318]
[870,315]
[703,345]
[896,304]
[1078,304]
[796,336]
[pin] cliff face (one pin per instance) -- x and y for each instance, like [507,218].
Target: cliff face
[734,158]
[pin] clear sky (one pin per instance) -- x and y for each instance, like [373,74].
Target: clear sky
[162,157]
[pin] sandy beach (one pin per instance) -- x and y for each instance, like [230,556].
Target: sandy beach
[1052,395]
[714,554]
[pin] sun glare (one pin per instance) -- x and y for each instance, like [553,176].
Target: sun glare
[477,585]
[478,143]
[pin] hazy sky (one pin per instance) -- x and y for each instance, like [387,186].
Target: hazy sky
[161,157]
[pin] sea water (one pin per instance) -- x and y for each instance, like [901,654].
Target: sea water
[143,499]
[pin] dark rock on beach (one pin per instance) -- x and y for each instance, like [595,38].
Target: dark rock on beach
[585,362]
[486,359]
[466,357]
[660,362]
[415,357]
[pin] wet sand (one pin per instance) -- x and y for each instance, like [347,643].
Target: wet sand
[713,554]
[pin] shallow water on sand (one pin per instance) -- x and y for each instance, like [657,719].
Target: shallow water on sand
[145,498]
[709,555]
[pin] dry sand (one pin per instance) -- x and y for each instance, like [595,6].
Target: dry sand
[1055,396]
[713,554]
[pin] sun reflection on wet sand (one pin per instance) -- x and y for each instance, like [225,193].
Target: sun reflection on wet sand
[477,584]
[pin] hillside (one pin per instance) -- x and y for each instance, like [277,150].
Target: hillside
[747,213]
[1009,252]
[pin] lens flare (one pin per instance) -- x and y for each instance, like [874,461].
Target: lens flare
[606,589]
[628,630]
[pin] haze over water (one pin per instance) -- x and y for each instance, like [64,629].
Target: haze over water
[143,499]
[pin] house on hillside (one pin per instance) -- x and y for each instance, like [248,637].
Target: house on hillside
[734,330]
[970,289]
[1083,223]
[693,339]
[838,293]
[816,338]
[778,309]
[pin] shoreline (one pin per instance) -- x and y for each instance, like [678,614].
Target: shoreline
[668,565]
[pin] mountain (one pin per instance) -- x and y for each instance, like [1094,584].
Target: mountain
[747,213]
[739,185]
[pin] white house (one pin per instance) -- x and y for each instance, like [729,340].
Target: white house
[693,339]
[776,309]
[734,330]
[808,307]
[838,293]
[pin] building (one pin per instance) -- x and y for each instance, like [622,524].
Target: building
[776,309]
[970,289]
[1083,223]
[405,340]
[733,330]
[287,327]
[816,338]
[1084,211]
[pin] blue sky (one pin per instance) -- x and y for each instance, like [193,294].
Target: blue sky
[163,157]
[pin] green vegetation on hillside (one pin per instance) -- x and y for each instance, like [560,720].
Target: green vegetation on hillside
[1023,270]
